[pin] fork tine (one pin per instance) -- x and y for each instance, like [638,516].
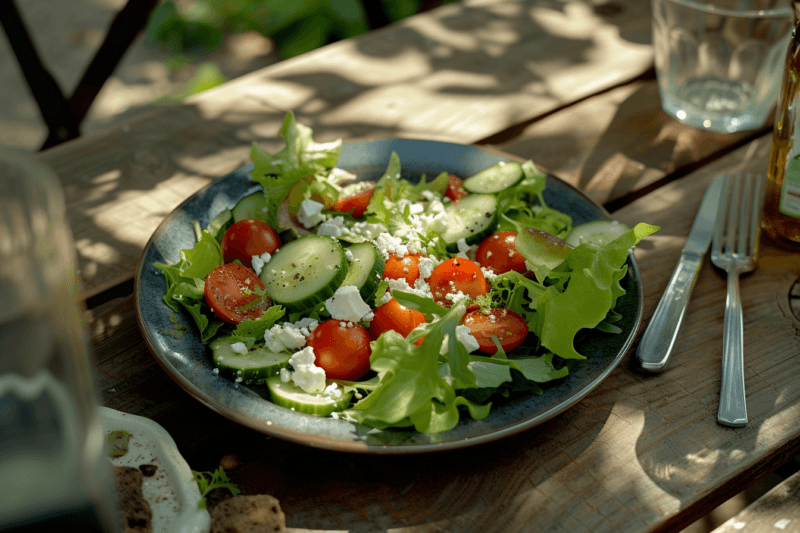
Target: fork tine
[733,214]
[722,213]
[744,188]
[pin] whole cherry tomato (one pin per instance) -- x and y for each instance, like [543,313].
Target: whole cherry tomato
[341,350]
[498,252]
[510,329]
[357,199]
[247,238]
[406,267]
[227,293]
[456,275]
[392,315]
[455,189]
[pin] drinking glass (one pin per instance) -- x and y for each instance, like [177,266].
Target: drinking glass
[718,62]
[55,475]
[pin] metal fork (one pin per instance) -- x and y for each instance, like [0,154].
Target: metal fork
[735,250]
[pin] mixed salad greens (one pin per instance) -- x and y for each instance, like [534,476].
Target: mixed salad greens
[392,303]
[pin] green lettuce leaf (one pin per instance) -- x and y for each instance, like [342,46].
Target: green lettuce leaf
[301,158]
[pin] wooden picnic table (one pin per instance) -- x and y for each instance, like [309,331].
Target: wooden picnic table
[569,85]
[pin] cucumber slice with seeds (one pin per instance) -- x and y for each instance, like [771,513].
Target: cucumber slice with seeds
[366,269]
[251,206]
[256,365]
[473,219]
[305,272]
[291,396]
[494,179]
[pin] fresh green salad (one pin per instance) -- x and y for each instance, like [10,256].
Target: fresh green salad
[392,303]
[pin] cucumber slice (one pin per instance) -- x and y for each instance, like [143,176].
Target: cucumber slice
[599,232]
[366,269]
[494,179]
[291,396]
[251,206]
[305,272]
[473,219]
[256,365]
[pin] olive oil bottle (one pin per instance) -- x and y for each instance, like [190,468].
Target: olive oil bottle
[782,199]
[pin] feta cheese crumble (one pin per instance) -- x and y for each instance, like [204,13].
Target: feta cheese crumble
[239,347]
[258,262]
[309,214]
[346,304]
[307,375]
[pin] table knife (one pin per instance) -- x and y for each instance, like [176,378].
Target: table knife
[658,341]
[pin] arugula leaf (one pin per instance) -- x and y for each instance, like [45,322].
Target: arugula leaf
[219,480]
[249,331]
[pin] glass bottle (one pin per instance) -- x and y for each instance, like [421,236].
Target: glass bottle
[782,199]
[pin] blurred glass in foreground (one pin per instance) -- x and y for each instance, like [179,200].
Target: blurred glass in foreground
[718,62]
[54,473]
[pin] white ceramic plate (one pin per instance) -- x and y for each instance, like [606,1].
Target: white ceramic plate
[172,492]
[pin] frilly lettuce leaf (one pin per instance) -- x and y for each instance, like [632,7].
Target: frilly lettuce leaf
[302,163]
[591,292]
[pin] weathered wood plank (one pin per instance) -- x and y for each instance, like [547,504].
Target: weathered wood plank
[617,143]
[458,73]
[634,453]
[777,510]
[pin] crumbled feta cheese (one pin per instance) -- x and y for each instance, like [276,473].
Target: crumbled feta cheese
[307,375]
[489,274]
[282,337]
[332,227]
[346,304]
[465,337]
[349,255]
[258,262]
[309,213]
[239,347]
[286,375]
[389,244]
[426,266]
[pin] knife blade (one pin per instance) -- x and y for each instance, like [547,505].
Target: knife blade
[658,341]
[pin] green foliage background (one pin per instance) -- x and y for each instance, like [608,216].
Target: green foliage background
[296,26]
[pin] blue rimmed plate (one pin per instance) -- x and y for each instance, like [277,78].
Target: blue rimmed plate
[187,360]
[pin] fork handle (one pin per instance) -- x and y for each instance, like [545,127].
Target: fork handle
[658,341]
[732,402]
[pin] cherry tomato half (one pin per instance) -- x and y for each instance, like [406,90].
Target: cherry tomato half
[247,238]
[392,315]
[498,252]
[456,275]
[342,351]
[406,267]
[357,200]
[225,293]
[455,189]
[510,329]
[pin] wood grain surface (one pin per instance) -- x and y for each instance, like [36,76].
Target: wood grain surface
[459,73]
[777,510]
[638,450]
[567,84]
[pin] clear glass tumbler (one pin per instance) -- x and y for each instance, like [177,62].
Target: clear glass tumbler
[55,475]
[719,62]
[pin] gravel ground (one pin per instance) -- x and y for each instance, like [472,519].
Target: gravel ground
[67,34]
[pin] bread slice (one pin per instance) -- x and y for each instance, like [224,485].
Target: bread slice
[245,514]
[134,509]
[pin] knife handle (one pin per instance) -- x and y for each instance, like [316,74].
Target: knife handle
[658,341]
